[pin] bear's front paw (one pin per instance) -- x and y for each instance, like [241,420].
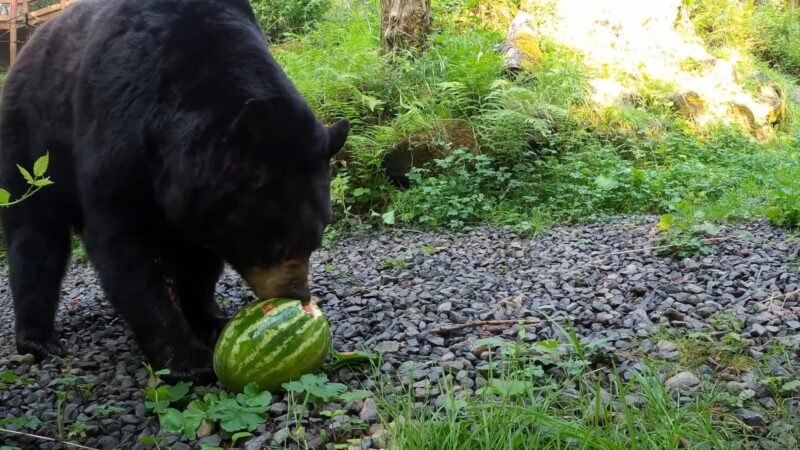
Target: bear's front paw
[40,348]
[190,364]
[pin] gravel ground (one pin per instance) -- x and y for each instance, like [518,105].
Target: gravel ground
[386,292]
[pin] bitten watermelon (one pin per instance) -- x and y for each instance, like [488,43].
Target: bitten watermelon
[271,342]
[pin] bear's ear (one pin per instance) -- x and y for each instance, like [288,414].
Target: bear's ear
[337,135]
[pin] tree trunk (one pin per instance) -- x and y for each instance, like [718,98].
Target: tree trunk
[404,23]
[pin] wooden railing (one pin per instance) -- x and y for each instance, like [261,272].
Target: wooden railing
[25,13]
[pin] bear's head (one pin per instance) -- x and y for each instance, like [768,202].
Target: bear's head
[269,201]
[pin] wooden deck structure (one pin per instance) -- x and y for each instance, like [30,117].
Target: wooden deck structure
[22,16]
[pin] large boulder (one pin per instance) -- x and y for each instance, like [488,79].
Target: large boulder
[688,103]
[423,147]
[522,51]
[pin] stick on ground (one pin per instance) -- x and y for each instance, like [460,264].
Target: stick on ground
[45,438]
[480,323]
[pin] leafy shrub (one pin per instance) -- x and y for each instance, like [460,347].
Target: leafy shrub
[783,203]
[282,18]
[459,191]
[722,22]
[686,232]
[778,37]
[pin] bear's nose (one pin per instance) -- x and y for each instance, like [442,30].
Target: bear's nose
[287,279]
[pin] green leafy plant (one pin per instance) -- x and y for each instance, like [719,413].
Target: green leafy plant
[776,30]
[26,422]
[238,413]
[282,18]
[8,377]
[36,181]
[151,440]
[783,204]
[686,232]
[395,264]
[315,388]
[78,250]
[245,412]
[458,192]
[343,359]
[791,386]
[81,385]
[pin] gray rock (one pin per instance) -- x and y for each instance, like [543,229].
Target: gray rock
[435,340]
[387,347]
[258,442]
[369,411]
[683,382]
[604,318]
[693,289]
[667,350]
[206,428]
[278,408]
[735,387]
[690,264]
[214,440]
[767,403]
[758,330]
[379,436]
[453,366]
[752,418]
[107,443]
[22,359]
[281,436]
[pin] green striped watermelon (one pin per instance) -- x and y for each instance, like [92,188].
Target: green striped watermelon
[271,342]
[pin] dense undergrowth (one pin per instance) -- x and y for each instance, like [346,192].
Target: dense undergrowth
[528,150]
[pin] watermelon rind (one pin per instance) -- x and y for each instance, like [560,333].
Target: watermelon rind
[271,342]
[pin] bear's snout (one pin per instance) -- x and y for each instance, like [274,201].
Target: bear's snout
[287,279]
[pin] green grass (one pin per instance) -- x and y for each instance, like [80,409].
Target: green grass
[563,393]
[541,418]
[551,396]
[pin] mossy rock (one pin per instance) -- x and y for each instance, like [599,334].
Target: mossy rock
[778,111]
[688,103]
[742,115]
[531,53]
[427,146]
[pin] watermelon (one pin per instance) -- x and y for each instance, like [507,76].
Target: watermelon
[271,342]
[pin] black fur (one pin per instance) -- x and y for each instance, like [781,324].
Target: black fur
[176,143]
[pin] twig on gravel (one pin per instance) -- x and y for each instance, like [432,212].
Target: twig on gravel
[480,323]
[659,247]
[775,297]
[45,438]
[785,296]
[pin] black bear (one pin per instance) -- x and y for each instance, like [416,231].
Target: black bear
[176,143]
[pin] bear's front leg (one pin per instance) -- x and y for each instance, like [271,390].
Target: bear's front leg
[124,255]
[196,273]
